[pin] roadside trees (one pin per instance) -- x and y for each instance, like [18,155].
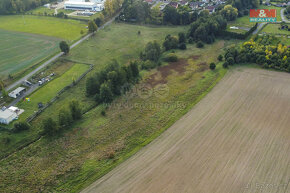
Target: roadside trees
[64,47]
[92,26]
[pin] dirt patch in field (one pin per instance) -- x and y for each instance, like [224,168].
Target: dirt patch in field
[164,71]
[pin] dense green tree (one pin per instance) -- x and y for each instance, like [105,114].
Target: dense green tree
[64,47]
[225,64]
[134,68]
[181,37]
[152,51]
[92,26]
[21,126]
[75,110]
[229,12]
[220,57]
[170,15]
[212,66]
[49,126]
[106,94]
[64,118]
[92,86]
[20,6]
[170,42]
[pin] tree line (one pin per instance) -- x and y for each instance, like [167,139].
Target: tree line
[140,11]
[207,27]
[111,81]
[262,52]
[20,6]
[66,116]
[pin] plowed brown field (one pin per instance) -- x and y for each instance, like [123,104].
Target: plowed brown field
[237,139]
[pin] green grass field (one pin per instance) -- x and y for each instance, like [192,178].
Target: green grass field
[120,42]
[43,10]
[274,29]
[21,50]
[48,91]
[66,29]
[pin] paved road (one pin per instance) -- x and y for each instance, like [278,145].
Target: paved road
[283,16]
[260,25]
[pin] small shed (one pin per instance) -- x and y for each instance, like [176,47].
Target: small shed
[17,92]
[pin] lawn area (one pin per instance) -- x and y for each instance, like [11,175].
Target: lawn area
[96,144]
[19,51]
[241,22]
[42,10]
[66,29]
[48,91]
[245,20]
[274,29]
[120,42]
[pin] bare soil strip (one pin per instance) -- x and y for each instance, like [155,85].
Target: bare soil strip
[237,139]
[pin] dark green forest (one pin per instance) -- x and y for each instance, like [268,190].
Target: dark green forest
[20,6]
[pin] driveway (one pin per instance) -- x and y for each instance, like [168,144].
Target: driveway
[283,17]
[260,26]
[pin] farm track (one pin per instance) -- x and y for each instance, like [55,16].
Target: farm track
[237,139]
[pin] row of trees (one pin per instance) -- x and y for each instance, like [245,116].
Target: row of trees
[66,117]
[20,6]
[139,11]
[245,4]
[112,81]
[270,56]
[112,7]
[207,27]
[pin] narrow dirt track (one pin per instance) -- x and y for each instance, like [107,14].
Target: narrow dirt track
[237,139]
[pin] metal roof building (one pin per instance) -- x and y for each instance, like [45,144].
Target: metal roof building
[7,116]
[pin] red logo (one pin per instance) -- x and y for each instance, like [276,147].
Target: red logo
[263,13]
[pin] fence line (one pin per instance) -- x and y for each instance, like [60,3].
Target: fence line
[33,116]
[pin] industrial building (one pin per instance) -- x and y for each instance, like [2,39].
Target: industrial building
[94,5]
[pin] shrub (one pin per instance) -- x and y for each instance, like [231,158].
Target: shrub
[103,113]
[225,64]
[212,66]
[220,57]
[5,140]
[231,61]
[199,44]
[190,40]
[182,46]
[171,58]
[20,126]
[148,65]
[49,126]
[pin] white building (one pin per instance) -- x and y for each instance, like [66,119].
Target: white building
[7,116]
[98,1]
[17,92]
[80,5]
